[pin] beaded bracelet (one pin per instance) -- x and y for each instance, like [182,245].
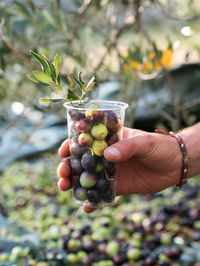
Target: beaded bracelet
[186,158]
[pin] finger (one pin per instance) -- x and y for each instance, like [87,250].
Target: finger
[63,169]
[87,208]
[130,132]
[64,184]
[139,146]
[64,149]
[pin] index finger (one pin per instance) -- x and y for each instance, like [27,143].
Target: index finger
[64,149]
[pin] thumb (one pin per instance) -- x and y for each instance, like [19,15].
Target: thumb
[138,146]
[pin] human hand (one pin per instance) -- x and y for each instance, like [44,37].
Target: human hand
[145,163]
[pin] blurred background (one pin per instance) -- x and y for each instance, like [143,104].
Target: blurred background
[143,52]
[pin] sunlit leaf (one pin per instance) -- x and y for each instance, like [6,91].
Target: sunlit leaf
[57,64]
[43,62]
[91,84]
[32,78]
[42,77]
[53,71]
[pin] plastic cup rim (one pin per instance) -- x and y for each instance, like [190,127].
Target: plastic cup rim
[119,105]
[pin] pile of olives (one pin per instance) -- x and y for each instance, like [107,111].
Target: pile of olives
[91,131]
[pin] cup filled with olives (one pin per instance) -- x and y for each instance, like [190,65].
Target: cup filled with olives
[91,129]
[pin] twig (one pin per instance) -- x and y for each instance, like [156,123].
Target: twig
[12,48]
[190,104]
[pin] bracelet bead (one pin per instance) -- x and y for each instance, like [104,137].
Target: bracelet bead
[186,158]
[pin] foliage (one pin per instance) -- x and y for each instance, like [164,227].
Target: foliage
[49,76]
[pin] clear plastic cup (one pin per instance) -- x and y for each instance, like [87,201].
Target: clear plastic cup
[91,129]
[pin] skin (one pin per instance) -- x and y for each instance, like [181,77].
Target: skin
[145,163]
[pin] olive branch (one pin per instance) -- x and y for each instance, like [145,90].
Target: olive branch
[50,76]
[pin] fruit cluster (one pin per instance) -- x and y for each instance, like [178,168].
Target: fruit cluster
[91,131]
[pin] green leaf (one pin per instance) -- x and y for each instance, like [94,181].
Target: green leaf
[91,84]
[49,100]
[79,83]
[57,64]
[32,78]
[72,96]
[58,79]
[80,79]
[43,62]
[42,77]
[52,69]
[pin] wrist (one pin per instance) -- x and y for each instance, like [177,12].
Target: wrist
[190,137]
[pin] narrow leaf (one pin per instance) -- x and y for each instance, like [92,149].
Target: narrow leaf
[42,77]
[79,83]
[91,84]
[80,79]
[72,96]
[52,69]
[57,64]
[32,78]
[48,100]
[58,79]
[43,62]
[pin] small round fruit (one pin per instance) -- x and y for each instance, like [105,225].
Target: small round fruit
[112,138]
[72,258]
[133,254]
[85,139]
[98,147]
[112,248]
[93,196]
[108,196]
[75,114]
[106,164]
[76,167]
[88,179]
[64,184]
[99,167]
[80,193]
[102,185]
[83,125]
[89,161]
[93,115]
[111,121]
[77,150]
[99,131]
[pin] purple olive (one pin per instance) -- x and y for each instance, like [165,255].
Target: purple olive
[88,179]
[93,196]
[89,161]
[76,150]
[83,125]
[111,121]
[76,166]
[112,138]
[85,139]
[75,114]
[102,185]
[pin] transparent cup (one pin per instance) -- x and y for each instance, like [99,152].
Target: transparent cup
[91,129]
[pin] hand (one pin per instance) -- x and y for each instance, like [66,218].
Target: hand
[145,163]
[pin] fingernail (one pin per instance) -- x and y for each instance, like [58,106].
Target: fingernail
[114,152]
